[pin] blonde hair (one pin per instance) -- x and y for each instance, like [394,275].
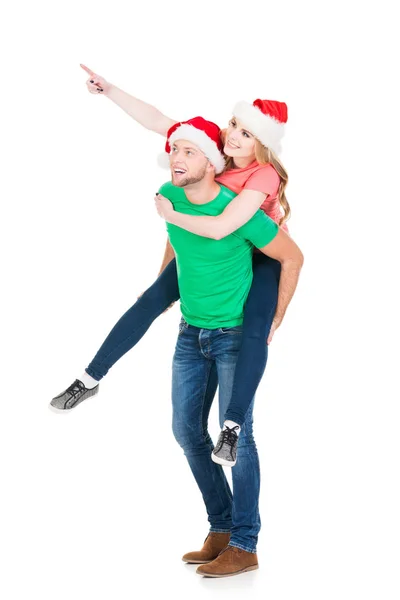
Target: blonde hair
[265,156]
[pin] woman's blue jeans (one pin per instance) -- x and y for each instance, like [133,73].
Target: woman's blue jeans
[259,311]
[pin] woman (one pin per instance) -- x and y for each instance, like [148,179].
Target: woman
[254,172]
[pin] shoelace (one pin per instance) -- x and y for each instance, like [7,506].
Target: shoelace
[229,435]
[75,388]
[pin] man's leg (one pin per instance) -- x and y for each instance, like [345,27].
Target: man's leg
[246,521]
[194,382]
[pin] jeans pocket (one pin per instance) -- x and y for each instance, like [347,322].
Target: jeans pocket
[182,326]
[231,330]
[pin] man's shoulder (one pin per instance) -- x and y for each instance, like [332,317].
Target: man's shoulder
[226,192]
[171,191]
[167,188]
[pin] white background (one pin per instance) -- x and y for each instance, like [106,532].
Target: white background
[100,503]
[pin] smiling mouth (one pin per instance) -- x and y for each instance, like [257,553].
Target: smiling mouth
[179,171]
[232,145]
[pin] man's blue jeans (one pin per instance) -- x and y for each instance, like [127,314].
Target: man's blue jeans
[204,359]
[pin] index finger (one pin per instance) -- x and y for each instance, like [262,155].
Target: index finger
[87,69]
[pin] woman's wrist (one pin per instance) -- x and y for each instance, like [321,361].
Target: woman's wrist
[172,216]
[110,90]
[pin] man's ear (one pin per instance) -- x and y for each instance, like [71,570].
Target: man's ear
[210,168]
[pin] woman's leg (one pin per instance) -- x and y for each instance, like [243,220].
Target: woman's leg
[136,321]
[259,312]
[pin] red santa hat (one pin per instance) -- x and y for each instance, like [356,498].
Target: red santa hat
[265,119]
[204,134]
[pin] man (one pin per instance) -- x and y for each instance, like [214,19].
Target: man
[214,280]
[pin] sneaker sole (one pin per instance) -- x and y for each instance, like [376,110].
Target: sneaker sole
[58,411]
[222,461]
[253,568]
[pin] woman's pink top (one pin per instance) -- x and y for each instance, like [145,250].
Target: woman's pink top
[261,178]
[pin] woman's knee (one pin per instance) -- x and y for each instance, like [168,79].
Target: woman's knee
[151,298]
[157,296]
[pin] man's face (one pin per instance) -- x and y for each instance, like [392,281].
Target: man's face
[188,164]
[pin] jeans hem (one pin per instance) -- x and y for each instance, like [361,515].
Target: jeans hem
[229,416]
[215,530]
[245,548]
[93,374]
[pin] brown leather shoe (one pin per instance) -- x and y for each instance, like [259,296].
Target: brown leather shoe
[213,544]
[231,561]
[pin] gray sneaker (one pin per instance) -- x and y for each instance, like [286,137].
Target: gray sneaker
[225,450]
[72,396]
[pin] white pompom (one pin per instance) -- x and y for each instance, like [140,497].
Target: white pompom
[163,160]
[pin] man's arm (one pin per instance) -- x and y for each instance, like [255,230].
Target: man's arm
[169,255]
[283,249]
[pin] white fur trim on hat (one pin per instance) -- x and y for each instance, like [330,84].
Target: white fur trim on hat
[163,160]
[267,129]
[202,141]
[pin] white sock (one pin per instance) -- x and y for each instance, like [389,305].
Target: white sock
[88,381]
[231,424]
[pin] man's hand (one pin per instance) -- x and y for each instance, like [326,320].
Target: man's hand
[167,309]
[283,249]
[163,206]
[274,327]
[96,84]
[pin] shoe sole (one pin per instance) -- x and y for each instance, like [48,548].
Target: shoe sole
[58,411]
[197,562]
[253,568]
[66,410]
[222,461]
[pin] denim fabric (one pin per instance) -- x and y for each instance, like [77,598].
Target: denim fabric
[258,314]
[136,321]
[203,359]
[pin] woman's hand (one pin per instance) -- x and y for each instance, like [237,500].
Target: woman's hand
[95,83]
[164,206]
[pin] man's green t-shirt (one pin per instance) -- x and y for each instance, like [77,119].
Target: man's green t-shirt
[215,276]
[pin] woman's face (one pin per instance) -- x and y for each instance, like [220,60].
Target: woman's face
[239,142]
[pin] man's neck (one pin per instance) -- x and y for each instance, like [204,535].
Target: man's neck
[202,192]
